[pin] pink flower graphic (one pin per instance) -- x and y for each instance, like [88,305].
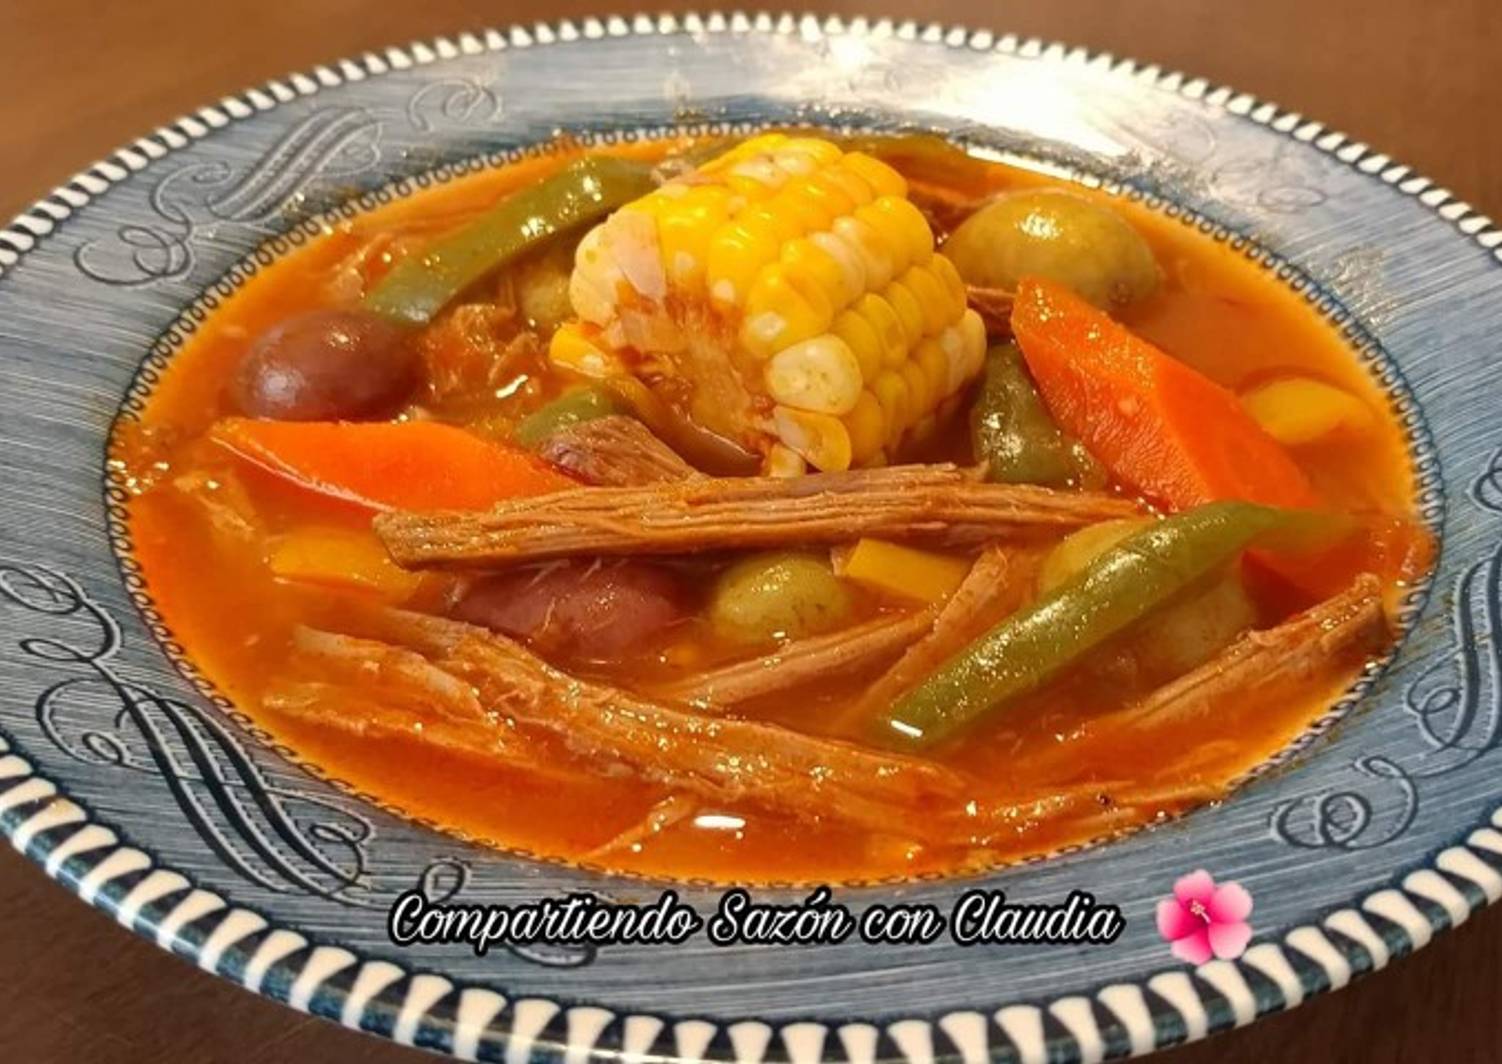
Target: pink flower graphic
[1202,920]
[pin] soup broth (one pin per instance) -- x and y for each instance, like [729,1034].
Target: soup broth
[307,613]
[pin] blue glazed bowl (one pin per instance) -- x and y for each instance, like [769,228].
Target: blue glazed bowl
[140,788]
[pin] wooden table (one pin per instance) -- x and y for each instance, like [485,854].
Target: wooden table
[1413,77]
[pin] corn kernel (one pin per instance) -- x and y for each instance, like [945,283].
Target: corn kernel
[807,265]
[793,162]
[750,189]
[572,350]
[850,183]
[757,145]
[782,461]
[685,226]
[909,311]
[862,340]
[821,439]
[876,252]
[867,426]
[821,375]
[828,195]
[798,200]
[767,217]
[822,152]
[904,225]
[933,301]
[884,181]
[919,390]
[887,326]
[892,237]
[955,347]
[852,268]
[596,279]
[930,357]
[953,283]
[973,338]
[737,254]
[760,168]
[891,391]
[778,314]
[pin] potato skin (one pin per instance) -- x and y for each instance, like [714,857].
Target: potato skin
[580,610]
[778,595]
[1058,235]
[328,365]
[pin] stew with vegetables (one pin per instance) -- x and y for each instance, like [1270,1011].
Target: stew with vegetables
[789,508]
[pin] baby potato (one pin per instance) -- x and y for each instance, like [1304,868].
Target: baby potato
[1189,632]
[582,609]
[328,365]
[1173,639]
[541,282]
[778,595]
[1058,235]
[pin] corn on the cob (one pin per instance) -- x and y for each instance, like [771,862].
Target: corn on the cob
[787,296]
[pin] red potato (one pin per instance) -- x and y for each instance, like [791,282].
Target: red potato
[328,365]
[598,611]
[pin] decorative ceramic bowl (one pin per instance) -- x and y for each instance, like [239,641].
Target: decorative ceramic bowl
[152,797]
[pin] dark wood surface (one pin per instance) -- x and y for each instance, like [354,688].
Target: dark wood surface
[1417,78]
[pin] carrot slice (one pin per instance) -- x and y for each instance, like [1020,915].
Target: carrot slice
[1160,427]
[406,465]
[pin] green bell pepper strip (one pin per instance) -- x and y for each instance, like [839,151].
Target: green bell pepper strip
[419,287]
[1037,642]
[1010,429]
[575,407]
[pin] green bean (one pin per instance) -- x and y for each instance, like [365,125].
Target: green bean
[572,408]
[420,286]
[1039,641]
[932,153]
[1012,432]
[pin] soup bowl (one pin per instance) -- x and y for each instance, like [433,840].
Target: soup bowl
[139,785]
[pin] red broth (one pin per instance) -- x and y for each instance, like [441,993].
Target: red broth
[202,524]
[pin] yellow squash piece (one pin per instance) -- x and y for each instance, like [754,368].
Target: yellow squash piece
[340,557]
[913,574]
[787,296]
[1079,549]
[1300,410]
